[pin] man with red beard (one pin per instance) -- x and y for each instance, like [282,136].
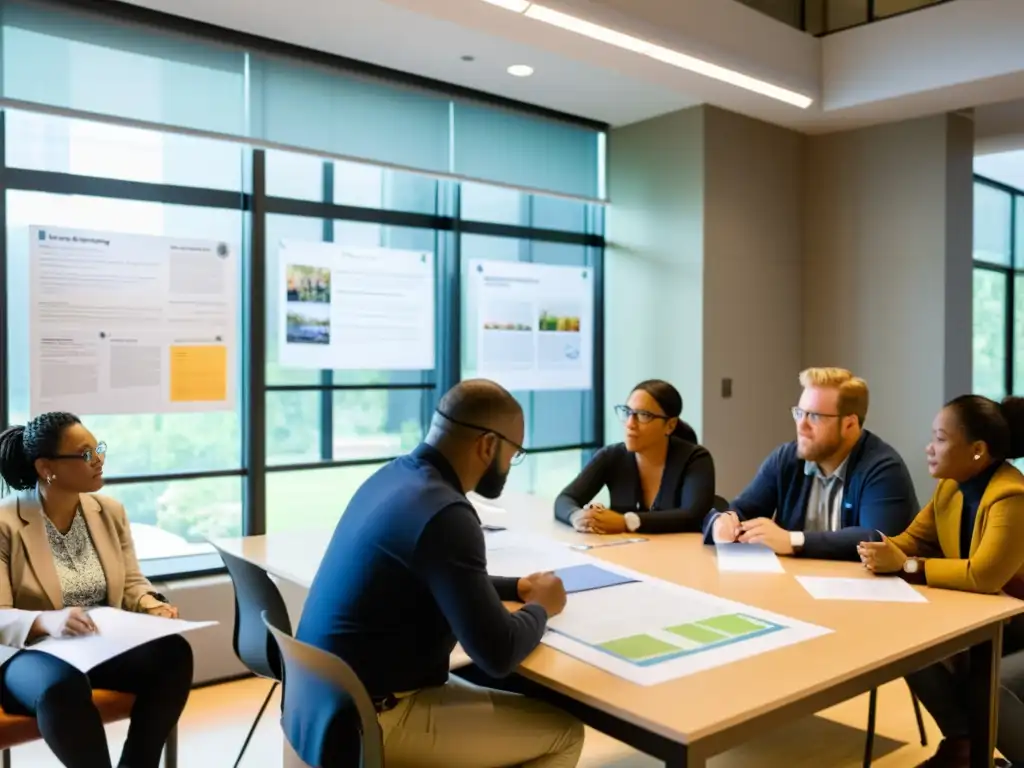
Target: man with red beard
[832,488]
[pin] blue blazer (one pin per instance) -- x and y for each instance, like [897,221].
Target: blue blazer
[878,495]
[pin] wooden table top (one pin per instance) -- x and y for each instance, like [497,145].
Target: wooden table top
[867,635]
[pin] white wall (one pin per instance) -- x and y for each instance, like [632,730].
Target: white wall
[654,261]
[887,277]
[753,212]
[702,266]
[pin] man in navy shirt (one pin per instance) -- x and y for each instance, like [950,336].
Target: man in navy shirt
[833,487]
[405,577]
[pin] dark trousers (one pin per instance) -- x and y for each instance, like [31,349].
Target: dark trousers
[942,688]
[59,696]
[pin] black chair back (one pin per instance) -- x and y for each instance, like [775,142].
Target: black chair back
[254,594]
[721,504]
[326,713]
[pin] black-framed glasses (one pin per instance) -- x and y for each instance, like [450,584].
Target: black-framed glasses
[517,457]
[644,417]
[87,455]
[812,416]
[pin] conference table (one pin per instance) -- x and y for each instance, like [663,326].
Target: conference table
[685,721]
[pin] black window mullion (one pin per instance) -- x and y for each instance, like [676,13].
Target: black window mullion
[254,420]
[1010,300]
[5,414]
[327,376]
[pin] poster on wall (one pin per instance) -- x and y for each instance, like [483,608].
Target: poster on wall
[131,323]
[355,308]
[534,324]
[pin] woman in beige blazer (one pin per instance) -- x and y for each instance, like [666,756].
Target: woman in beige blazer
[64,550]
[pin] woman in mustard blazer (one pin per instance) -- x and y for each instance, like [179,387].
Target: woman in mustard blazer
[64,550]
[971,538]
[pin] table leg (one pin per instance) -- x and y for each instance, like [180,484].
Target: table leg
[983,698]
[682,757]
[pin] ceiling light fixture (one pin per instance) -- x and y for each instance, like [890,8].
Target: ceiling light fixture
[665,55]
[518,6]
[520,70]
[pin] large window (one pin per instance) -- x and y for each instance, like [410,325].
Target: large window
[187,478]
[998,289]
[135,122]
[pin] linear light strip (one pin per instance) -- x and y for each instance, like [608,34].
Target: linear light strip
[665,55]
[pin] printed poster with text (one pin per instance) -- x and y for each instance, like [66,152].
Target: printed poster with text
[131,323]
[355,308]
[534,324]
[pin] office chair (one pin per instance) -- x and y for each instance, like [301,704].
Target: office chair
[686,432]
[869,742]
[255,594]
[320,691]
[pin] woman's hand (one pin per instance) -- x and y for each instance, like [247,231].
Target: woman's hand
[163,610]
[881,556]
[605,521]
[67,622]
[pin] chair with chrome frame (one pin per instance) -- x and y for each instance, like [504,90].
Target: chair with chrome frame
[321,691]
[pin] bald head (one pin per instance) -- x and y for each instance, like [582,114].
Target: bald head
[479,428]
[480,403]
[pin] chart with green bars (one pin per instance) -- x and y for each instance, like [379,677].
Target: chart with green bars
[686,639]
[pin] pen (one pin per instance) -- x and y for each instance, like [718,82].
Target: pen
[616,543]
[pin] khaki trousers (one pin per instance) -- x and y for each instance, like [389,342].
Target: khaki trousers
[460,725]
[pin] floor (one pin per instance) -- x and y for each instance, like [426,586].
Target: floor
[217,718]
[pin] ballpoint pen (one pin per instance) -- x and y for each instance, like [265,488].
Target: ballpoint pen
[616,543]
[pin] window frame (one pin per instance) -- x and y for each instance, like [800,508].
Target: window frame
[256,205]
[1009,272]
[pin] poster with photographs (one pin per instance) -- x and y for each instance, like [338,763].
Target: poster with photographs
[355,308]
[531,325]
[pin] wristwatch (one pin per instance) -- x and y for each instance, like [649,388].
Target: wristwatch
[913,571]
[912,565]
[632,521]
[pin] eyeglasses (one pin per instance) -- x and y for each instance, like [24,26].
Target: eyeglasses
[87,455]
[812,417]
[517,457]
[644,417]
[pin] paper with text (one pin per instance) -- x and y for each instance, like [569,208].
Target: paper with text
[118,631]
[747,558]
[878,590]
[125,324]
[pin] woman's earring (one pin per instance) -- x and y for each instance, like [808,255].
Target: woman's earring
[977,457]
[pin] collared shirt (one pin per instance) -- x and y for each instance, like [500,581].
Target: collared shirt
[825,499]
[82,580]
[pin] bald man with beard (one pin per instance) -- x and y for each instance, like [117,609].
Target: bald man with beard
[405,577]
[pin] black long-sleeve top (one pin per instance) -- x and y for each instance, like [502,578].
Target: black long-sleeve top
[684,498]
[405,576]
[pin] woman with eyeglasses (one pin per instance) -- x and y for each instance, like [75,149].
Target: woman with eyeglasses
[64,550]
[659,480]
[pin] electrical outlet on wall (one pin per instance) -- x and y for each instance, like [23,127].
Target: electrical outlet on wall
[726,388]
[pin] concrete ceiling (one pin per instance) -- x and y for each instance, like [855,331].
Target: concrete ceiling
[856,77]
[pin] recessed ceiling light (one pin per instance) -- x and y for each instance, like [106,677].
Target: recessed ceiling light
[673,58]
[520,70]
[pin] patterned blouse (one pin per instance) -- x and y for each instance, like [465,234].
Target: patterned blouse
[82,579]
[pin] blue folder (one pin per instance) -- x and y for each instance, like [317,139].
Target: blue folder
[583,578]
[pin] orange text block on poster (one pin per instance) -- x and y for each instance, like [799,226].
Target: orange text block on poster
[199,374]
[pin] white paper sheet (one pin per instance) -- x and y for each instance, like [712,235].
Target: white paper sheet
[747,558]
[653,631]
[516,554]
[878,590]
[131,323]
[119,631]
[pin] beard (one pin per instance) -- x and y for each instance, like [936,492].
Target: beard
[816,450]
[493,482]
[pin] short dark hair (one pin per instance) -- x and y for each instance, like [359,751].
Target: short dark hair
[999,425]
[21,446]
[671,402]
[478,401]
